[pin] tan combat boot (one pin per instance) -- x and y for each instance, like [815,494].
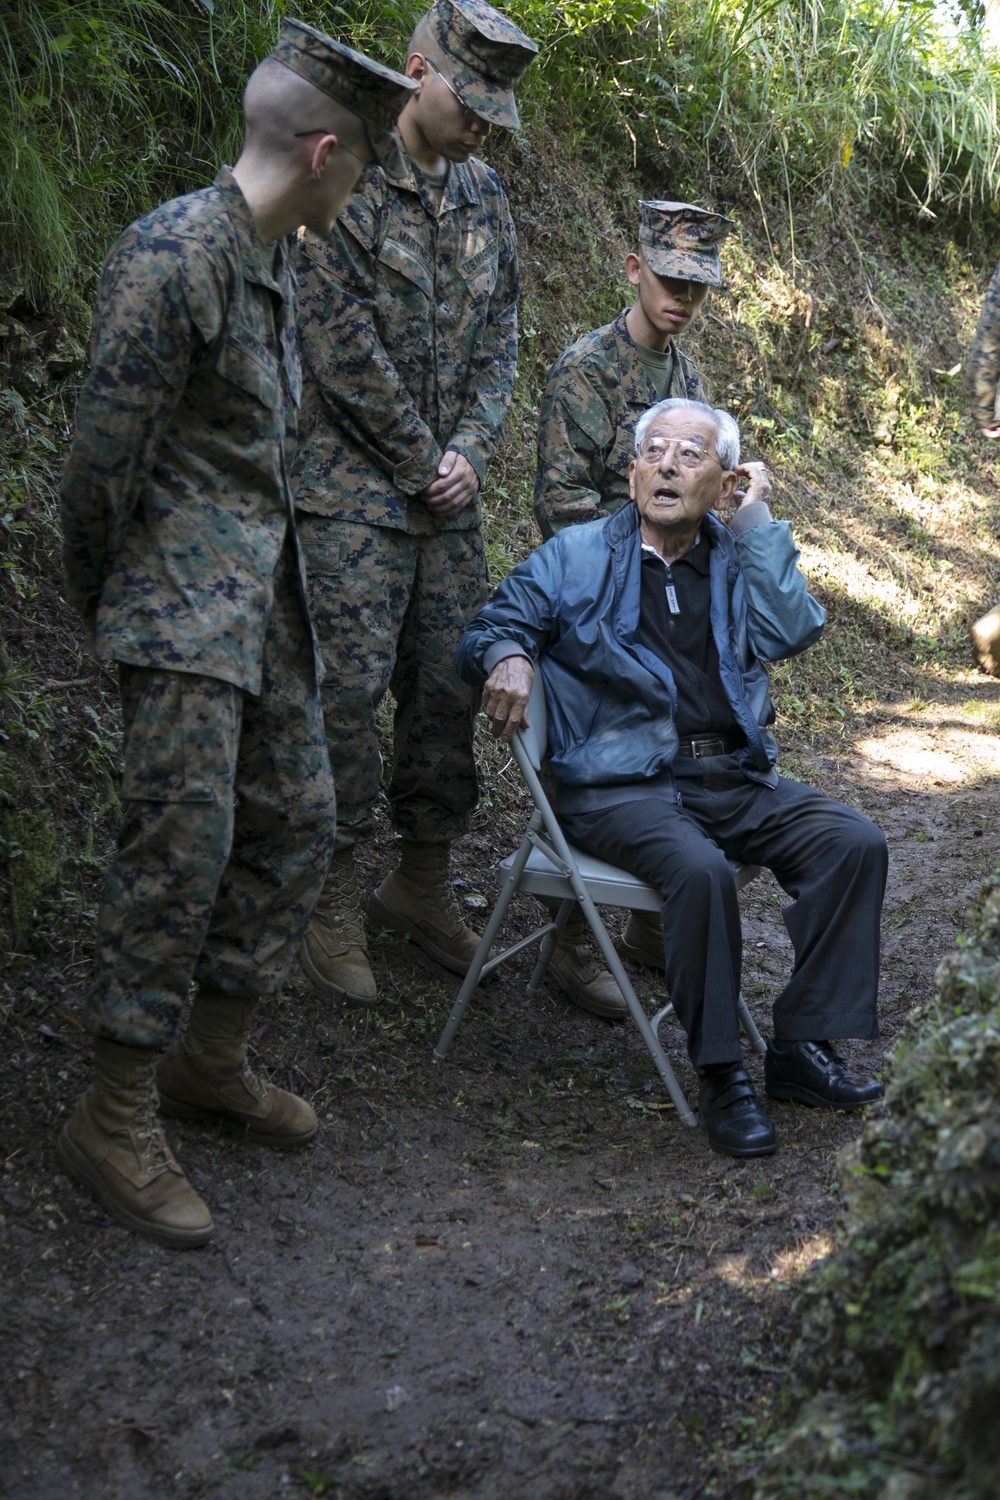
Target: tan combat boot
[334,951]
[642,939]
[206,1073]
[578,969]
[114,1143]
[418,901]
[986,640]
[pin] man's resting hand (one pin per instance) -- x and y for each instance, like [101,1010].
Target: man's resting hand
[454,488]
[505,696]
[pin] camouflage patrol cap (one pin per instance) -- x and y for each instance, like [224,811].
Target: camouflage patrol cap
[682,240]
[488,55]
[367,89]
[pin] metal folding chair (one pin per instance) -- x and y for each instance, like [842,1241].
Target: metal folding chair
[547,865]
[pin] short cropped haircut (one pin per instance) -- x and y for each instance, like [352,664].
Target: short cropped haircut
[727,433]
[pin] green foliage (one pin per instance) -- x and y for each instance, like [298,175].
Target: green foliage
[58,756]
[29,528]
[29,860]
[109,106]
[899,1357]
[867,100]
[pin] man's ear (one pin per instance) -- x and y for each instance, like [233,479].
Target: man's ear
[631,480]
[321,150]
[416,67]
[632,268]
[730,483]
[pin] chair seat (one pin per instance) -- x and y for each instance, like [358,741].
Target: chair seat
[608,885]
[596,883]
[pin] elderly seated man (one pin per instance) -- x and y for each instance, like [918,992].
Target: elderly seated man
[651,630]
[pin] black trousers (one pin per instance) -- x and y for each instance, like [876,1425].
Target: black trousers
[830,859]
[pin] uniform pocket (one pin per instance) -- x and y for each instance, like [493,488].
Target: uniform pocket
[245,362]
[478,265]
[623,447]
[394,257]
[303,770]
[308,806]
[181,744]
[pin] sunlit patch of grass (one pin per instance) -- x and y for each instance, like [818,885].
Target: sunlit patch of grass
[987,714]
[740,1270]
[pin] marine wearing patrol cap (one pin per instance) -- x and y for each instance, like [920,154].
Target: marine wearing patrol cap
[488,53]
[372,92]
[682,240]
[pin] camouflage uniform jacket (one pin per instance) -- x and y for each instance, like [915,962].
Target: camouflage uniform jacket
[175,497]
[408,332]
[596,392]
[983,364]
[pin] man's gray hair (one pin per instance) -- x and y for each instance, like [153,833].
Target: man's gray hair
[727,433]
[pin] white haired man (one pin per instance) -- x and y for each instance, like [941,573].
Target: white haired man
[652,630]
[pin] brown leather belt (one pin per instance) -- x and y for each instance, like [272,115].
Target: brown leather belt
[701,745]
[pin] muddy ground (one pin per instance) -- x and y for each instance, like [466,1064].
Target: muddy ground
[513,1274]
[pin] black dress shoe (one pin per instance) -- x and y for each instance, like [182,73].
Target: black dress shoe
[732,1115]
[813,1073]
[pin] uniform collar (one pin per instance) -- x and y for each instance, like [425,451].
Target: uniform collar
[459,189]
[256,258]
[636,387]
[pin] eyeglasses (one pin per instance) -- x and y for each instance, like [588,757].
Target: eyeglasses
[691,452]
[362,161]
[470,114]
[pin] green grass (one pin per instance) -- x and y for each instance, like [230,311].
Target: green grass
[105,109]
[109,106]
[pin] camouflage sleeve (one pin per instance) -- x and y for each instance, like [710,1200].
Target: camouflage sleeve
[694,385]
[490,379]
[574,431]
[983,364]
[145,332]
[342,351]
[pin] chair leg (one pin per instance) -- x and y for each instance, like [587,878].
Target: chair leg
[614,963]
[757,1042]
[482,953]
[639,1016]
[548,948]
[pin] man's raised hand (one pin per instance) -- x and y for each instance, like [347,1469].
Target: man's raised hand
[755,483]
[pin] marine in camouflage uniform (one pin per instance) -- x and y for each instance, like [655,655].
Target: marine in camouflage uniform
[600,386]
[983,374]
[182,559]
[408,330]
[596,392]
[983,364]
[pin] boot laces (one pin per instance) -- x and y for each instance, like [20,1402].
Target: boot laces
[156,1154]
[441,891]
[589,966]
[254,1083]
[577,942]
[342,905]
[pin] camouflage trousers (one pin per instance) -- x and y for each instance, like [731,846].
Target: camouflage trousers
[388,609]
[226,836]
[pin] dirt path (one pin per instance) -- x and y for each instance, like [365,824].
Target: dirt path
[511,1275]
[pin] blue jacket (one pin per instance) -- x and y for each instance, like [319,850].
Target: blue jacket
[573,605]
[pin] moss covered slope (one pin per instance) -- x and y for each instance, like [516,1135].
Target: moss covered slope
[900,1329]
